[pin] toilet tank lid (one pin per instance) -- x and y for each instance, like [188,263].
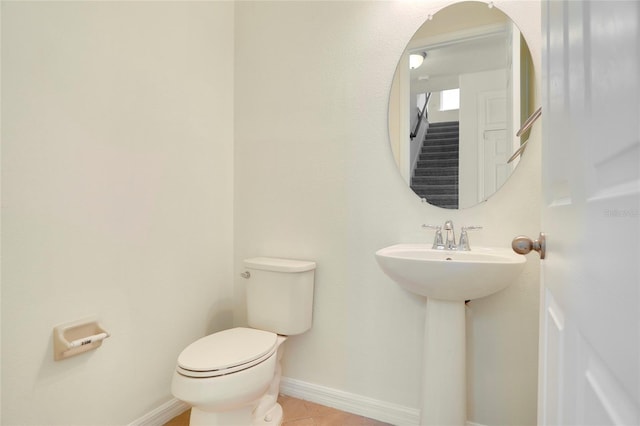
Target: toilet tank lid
[279,265]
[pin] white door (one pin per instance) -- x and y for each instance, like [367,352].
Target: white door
[493,149]
[495,169]
[590,323]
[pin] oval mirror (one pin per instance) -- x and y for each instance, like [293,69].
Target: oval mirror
[461,90]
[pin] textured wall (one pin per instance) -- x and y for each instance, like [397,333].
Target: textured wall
[119,200]
[117,155]
[315,179]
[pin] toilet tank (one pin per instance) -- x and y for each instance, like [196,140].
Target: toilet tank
[280,294]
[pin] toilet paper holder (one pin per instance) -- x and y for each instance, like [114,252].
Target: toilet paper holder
[77,337]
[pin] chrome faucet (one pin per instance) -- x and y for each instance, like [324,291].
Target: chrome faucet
[463,245]
[449,243]
[437,239]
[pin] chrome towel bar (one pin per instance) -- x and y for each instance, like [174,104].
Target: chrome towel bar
[529,122]
[526,126]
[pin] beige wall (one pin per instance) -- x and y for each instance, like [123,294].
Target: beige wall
[126,191]
[315,179]
[117,163]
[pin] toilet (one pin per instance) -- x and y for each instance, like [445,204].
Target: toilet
[232,378]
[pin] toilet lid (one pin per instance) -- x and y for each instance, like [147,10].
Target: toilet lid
[226,352]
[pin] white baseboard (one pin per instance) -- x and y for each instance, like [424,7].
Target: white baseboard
[364,406]
[162,414]
[351,403]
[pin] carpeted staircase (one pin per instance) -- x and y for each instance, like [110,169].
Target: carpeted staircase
[435,177]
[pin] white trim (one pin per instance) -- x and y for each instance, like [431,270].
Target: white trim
[345,401]
[162,414]
[462,36]
[351,403]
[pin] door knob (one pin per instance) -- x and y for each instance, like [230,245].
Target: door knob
[523,245]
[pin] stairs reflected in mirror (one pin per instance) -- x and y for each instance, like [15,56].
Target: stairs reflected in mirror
[435,177]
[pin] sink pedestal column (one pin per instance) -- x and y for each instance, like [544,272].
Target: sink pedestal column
[444,389]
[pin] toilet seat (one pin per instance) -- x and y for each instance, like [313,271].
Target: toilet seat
[226,352]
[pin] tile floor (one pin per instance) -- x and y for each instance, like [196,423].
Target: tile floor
[304,413]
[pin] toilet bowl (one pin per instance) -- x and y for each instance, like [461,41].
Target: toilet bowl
[232,378]
[224,377]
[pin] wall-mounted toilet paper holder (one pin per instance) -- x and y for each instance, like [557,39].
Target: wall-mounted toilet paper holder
[77,337]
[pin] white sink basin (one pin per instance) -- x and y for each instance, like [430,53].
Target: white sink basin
[450,275]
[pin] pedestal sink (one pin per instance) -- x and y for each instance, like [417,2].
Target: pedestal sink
[447,278]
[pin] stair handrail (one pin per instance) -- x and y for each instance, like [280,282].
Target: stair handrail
[421,114]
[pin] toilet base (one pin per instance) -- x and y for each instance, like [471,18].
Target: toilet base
[272,418]
[239,417]
[265,411]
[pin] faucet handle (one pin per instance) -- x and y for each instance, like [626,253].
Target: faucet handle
[437,240]
[464,237]
[431,226]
